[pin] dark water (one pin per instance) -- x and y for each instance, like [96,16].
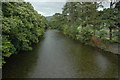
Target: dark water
[57,56]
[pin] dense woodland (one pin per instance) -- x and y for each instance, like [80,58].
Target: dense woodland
[21,27]
[85,22]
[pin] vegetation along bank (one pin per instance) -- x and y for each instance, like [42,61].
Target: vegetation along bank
[84,21]
[21,27]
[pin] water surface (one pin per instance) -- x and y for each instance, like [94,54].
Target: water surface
[58,56]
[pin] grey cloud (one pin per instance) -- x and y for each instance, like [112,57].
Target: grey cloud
[48,8]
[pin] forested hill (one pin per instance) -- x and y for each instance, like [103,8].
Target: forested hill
[21,27]
[48,18]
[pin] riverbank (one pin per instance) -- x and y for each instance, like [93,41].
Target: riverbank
[110,47]
[113,48]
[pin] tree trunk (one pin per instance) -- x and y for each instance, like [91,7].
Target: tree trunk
[110,33]
[119,33]
[94,32]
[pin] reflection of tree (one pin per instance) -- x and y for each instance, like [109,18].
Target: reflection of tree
[22,64]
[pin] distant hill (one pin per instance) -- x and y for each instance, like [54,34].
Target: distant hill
[48,17]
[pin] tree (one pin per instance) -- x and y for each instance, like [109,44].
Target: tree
[117,5]
[57,21]
[22,26]
[110,19]
[70,11]
[112,3]
[118,24]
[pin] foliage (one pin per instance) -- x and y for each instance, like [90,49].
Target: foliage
[71,32]
[84,34]
[56,21]
[22,26]
[83,21]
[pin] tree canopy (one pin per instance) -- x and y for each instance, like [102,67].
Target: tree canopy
[83,20]
[21,27]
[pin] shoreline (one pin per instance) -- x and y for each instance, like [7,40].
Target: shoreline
[110,49]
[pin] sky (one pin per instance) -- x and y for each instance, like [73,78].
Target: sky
[47,8]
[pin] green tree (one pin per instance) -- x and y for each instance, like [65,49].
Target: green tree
[70,11]
[22,26]
[110,19]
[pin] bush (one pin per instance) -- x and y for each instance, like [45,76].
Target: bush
[85,34]
[22,26]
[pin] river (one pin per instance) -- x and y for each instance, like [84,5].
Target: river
[58,56]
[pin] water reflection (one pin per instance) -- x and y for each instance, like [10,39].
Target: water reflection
[58,56]
[19,65]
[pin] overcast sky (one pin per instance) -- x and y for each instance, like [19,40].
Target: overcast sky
[47,8]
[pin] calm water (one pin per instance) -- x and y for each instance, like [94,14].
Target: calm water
[58,56]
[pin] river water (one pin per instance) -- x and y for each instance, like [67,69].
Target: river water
[57,56]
